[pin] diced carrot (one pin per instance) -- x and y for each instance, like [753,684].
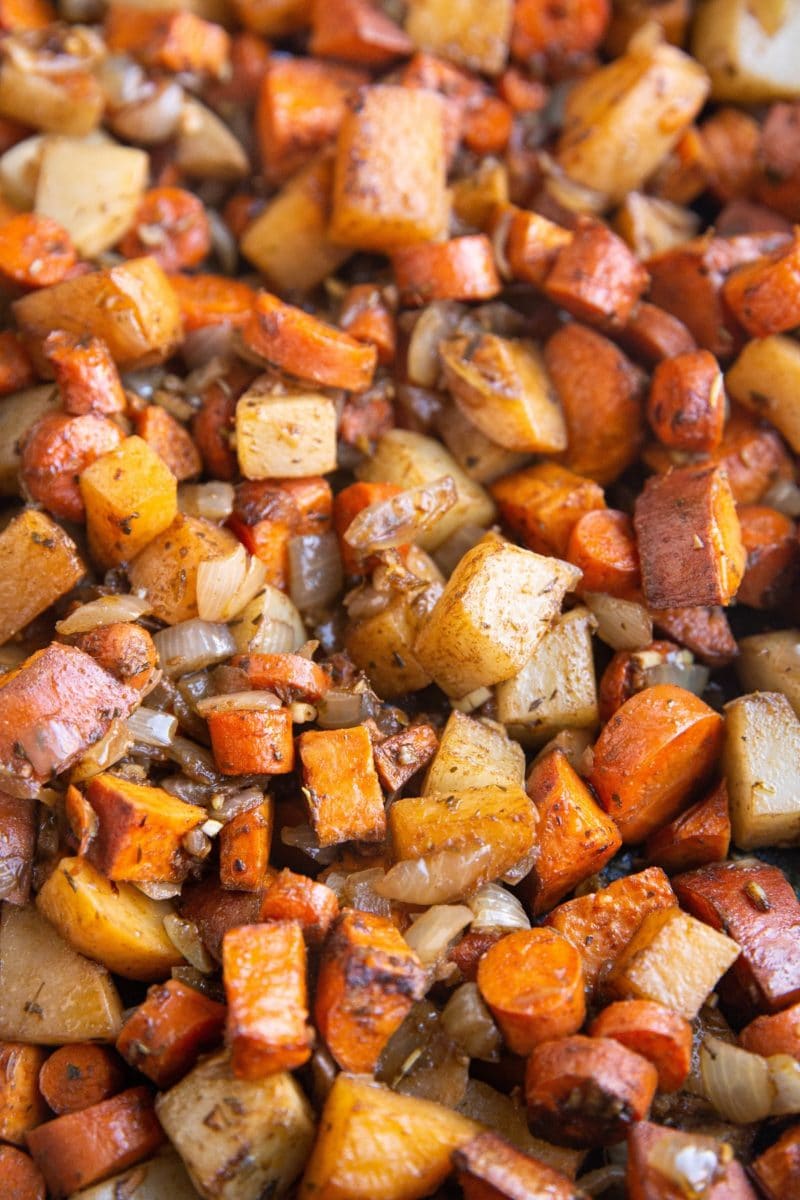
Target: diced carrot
[244,845]
[164,1034]
[252,741]
[470,949]
[575,838]
[777,1170]
[140,830]
[19,15]
[689,539]
[532,982]
[366,316]
[574,28]
[22,1179]
[521,92]
[490,1168]
[341,786]
[16,367]
[56,450]
[312,498]
[17,845]
[86,374]
[306,347]
[249,59]
[22,1106]
[584,1091]
[699,836]
[600,925]
[686,406]
[357,32]
[653,1031]
[77,1076]
[290,676]
[731,140]
[214,911]
[683,174]
[531,243]
[401,756]
[596,277]
[775,1034]
[292,897]
[212,300]
[171,226]
[754,904]
[601,394]
[264,519]
[488,125]
[82,1148]
[35,251]
[654,334]
[174,41]
[274,18]
[773,556]
[368,980]
[764,296]
[459,269]
[656,750]
[778,181]
[264,972]
[705,631]
[650,1145]
[301,104]
[346,506]
[125,650]
[543,504]
[170,440]
[603,545]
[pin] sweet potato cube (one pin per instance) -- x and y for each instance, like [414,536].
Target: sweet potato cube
[164,1035]
[490,1168]
[700,835]
[762,741]
[274,18]
[655,1032]
[341,785]
[601,924]
[173,41]
[389,179]
[244,845]
[252,741]
[170,440]
[576,838]
[494,610]
[473,754]
[756,905]
[542,504]
[35,548]
[765,296]
[284,432]
[375,1142]
[595,277]
[400,756]
[501,818]
[368,980]
[139,830]
[130,496]
[22,1106]
[292,897]
[264,972]
[18,824]
[674,960]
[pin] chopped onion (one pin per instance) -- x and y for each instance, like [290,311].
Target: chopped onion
[469,1023]
[400,519]
[340,710]
[213,501]
[450,552]
[226,807]
[302,837]
[237,702]
[269,624]
[407,1043]
[692,677]
[226,585]
[690,1161]
[196,843]
[159,891]
[209,344]
[472,700]
[302,713]
[735,1082]
[194,760]
[784,495]
[315,570]
[150,727]
[185,937]
[438,878]
[434,324]
[493,907]
[194,644]
[784,1072]
[594,1183]
[431,934]
[358,891]
[438,1072]
[223,244]
[107,610]
[621,624]
[153,117]
[111,747]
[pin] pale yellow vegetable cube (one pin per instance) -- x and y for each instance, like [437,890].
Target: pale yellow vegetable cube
[474,753]
[166,570]
[36,550]
[770,662]
[495,609]
[766,379]
[205,148]
[382,644]
[749,48]
[760,757]
[130,496]
[282,433]
[473,33]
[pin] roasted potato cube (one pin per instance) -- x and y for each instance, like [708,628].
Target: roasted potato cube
[240,1139]
[131,496]
[18,413]
[494,611]
[205,148]
[284,433]
[113,923]
[35,548]
[374,1142]
[749,54]
[474,753]
[70,104]
[473,33]
[341,785]
[50,994]
[770,662]
[166,569]
[130,306]
[164,1175]
[762,742]
[766,379]
[389,178]
[383,644]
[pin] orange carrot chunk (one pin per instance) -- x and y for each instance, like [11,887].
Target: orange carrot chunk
[252,741]
[777,1170]
[16,367]
[22,1179]
[171,225]
[653,1031]
[35,251]
[574,28]
[656,750]
[686,406]
[584,1091]
[366,316]
[602,545]
[653,334]
[775,1034]
[532,981]
[773,556]
[170,440]
[86,374]
[356,31]
[244,845]
[595,277]
[341,786]
[56,450]
[125,650]
[163,1036]
[212,300]
[490,1168]
[82,1148]
[292,897]
[460,269]
[290,676]
[22,1106]
[531,243]
[765,296]
[76,1077]
[700,835]
[543,504]
[264,972]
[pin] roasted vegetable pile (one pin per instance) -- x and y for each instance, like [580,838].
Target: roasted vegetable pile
[399,661]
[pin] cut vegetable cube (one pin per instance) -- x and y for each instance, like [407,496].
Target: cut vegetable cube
[131,496]
[284,433]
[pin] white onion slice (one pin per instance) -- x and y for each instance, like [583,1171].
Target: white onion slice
[226,585]
[401,518]
[358,891]
[438,878]
[784,495]
[213,501]
[107,610]
[185,937]
[111,747]
[150,727]
[194,644]
[340,710]
[435,323]
[493,907]
[269,624]
[784,1072]
[736,1082]
[431,934]
[237,702]
[469,1023]
[315,570]
[621,624]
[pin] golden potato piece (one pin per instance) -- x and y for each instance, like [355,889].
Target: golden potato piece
[166,570]
[130,496]
[473,33]
[34,548]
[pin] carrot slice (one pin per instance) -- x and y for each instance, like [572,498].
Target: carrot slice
[655,1032]
[76,1077]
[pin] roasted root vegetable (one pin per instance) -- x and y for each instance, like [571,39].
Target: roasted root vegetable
[34,544]
[698,836]
[244,846]
[761,732]
[341,786]
[654,1149]
[22,1105]
[488,1167]
[76,1077]
[130,496]
[22,1178]
[655,1032]
[163,1036]
[293,897]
